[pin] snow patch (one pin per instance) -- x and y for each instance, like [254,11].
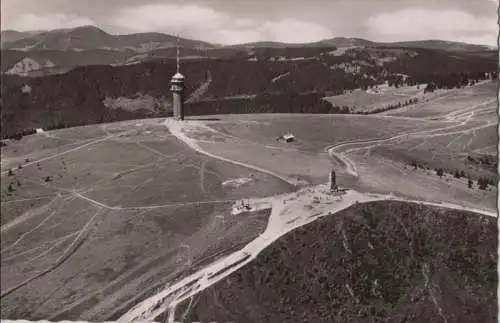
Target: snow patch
[280,77]
[27,65]
[237,182]
[49,64]
[340,51]
[286,59]
[26,89]
[139,102]
[136,59]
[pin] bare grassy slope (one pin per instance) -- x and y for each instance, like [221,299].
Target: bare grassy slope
[389,261]
[99,220]
[450,101]
[369,100]
[381,166]
[315,132]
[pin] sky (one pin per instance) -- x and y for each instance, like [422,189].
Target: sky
[241,21]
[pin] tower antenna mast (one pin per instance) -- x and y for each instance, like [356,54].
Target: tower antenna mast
[178,64]
[177,88]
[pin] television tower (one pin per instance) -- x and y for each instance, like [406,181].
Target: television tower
[177,88]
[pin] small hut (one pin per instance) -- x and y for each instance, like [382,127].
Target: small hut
[288,137]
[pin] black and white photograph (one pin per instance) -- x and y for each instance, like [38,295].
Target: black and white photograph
[249,161]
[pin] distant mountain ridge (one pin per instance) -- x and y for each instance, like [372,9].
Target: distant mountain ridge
[91,37]
[441,45]
[27,53]
[14,35]
[341,42]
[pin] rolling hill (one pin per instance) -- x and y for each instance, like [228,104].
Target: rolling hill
[91,37]
[434,44]
[89,45]
[156,215]
[127,220]
[8,36]
[152,212]
[70,73]
[440,45]
[341,42]
[12,36]
[266,83]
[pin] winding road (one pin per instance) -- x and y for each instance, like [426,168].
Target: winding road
[289,211]
[463,116]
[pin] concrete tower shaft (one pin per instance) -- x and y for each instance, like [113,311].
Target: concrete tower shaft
[177,87]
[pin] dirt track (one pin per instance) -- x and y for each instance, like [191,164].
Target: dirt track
[283,219]
[464,117]
[289,211]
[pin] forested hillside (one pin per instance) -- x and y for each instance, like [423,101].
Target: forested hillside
[268,80]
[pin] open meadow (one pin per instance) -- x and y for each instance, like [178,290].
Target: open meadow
[97,219]
[482,94]
[315,132]
[438,102]
[89,230]
[369,100]
[379,148]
